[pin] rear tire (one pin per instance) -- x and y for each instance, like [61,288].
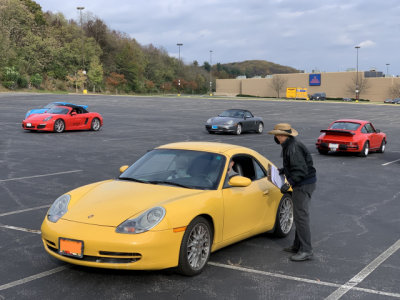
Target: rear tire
[260,128]
[382,147]
[59,126]
[365,150]
[195,247]
[284,216]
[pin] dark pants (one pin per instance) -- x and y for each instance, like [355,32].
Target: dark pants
[301,199]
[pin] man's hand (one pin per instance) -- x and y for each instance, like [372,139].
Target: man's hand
[281,171]
[285,187]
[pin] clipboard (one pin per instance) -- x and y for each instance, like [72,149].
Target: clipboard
[275,177]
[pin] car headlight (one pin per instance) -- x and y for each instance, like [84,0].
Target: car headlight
[59,208]
[144,222]
[230,122]
[209,121]
[47,119]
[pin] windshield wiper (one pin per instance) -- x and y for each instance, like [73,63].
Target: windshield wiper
[132,179]
[169,182]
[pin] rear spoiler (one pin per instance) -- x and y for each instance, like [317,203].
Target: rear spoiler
[336,131]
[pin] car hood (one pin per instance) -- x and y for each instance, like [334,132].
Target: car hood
[222,120]
[39,117]
[35,111]
[112,202]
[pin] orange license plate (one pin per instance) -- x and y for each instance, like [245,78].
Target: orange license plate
[70,247]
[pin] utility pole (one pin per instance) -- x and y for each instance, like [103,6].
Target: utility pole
[357,87]
[210,72]
[179,68]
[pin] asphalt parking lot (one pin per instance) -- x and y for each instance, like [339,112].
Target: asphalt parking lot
[355,210]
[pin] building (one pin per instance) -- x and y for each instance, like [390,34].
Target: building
[335,85]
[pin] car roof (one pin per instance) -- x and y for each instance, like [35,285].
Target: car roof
[237,109]
[206,147]
[353,121]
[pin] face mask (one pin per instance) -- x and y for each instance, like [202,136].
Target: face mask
[276,140]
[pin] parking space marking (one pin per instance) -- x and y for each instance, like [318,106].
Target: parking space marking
[23,210]
[304,280]
[43,175]
[31,278]
[20,229]
[390,162]
[364,272]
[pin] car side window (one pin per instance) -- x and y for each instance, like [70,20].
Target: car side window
[364,130]
[246,166]
[247,115]
[260,173]
[369,128]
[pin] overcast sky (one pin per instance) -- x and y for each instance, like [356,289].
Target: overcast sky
[304,34]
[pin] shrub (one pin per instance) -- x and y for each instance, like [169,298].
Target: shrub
[36,80]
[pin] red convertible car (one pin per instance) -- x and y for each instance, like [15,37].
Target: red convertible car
[65,117]
[348,135]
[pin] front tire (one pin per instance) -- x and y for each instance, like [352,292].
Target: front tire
[365,150]
[195,247]
[59,126]
[382,147]
[238,129]
[95,126]
[284,216]
[260,128]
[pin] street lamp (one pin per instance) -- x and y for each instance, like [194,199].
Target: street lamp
[387,70]
[179,61]
[210,72]
[80,8]
[357,88]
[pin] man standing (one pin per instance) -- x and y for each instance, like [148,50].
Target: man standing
[301,175]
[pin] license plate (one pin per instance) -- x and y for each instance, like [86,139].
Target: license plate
[214,127]
[28,125]
[70,247]
[333,147]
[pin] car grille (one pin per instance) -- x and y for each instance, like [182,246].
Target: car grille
[41,126]
[106,256]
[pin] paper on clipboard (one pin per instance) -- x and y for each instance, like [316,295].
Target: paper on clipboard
[276,178]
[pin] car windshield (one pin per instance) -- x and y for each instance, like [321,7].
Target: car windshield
[232,113]
[58,110]
[184,168]
[345,126]
[50,105]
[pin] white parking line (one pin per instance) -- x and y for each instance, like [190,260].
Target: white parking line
[364,272]
[23,210]
[44,175]
[20,229]
[31,278]
[304,280]
[390,162]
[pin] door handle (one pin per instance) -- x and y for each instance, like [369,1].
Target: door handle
[266,192]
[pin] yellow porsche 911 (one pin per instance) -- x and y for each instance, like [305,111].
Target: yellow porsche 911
[171,208]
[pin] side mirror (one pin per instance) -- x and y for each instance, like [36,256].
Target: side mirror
[239,181]
[123,169]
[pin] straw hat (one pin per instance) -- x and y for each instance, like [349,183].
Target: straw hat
[284,129]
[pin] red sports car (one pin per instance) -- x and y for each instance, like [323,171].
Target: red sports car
[351,136]
[65,117]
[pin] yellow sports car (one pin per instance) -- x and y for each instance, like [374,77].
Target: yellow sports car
[171,208]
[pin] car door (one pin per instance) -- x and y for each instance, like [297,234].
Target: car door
[245,207]
[77,119]
[374,138]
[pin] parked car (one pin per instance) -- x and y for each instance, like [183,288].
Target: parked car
[149,219]
[318,96]
[347,135]
[347,99]
[396,101]
[388,101]
[60,118]
[235,121]
[48,106]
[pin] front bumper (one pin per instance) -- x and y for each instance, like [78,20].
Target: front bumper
[45,126]
[340,147]
[104,248]
[221,128]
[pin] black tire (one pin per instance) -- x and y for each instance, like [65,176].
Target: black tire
[238,129]
[211,132]
[59,126]
[95,125]
[322,151]
[365,150]
[382,147]
[260,128]
[284,216]
[196,243]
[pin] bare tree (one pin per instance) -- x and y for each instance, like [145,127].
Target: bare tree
[278,83]
[362,83]
[394,90]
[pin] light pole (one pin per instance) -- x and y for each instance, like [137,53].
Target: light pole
[179,68]
[80,8]
[210,72]
[387,70]
[357,88]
